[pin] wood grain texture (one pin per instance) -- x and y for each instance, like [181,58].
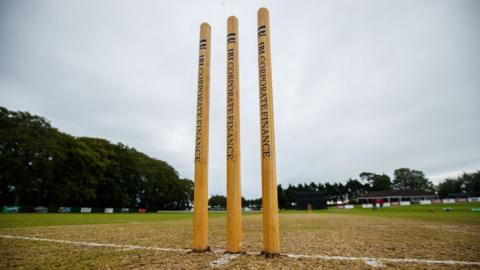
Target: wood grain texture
[234,197]
[271,234]
[200,215]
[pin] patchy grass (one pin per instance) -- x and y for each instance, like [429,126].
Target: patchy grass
[461,212]
[41,255]
[419,232]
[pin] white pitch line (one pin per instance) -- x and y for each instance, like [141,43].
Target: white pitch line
[93,244]
[296,256]
[366,259]
[374,263]
[225,259]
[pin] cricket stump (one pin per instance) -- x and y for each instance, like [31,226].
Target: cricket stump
[200,215]
[234,197]
[271,233]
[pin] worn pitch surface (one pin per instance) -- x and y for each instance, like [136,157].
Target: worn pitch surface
[301,234]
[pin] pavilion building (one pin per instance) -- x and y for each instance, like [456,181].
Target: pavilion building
[397,196]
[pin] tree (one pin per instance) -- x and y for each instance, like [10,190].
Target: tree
[244,202]
[354,187]
[468,183]
[40,165]
[218,202]
[407,179]
[282,197]
[255,203]
[449,186]
[188,189]
[27,151]
[471,182]
[312,187]
[331,190]
[290,195]
[377,182]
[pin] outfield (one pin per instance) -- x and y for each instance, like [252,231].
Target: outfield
[419,236]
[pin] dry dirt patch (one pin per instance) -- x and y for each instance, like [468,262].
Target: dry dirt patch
[323,234]
[41,255]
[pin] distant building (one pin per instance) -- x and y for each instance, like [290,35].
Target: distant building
[458,195]
[311,200]
[397,196]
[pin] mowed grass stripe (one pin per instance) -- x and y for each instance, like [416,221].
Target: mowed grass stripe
[461,214]
[60,219]
[16,220]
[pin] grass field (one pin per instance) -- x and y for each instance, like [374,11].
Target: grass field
[366,239]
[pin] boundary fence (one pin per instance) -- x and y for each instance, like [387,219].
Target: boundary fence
[67,209]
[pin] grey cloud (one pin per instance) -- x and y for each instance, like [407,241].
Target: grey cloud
[358,86]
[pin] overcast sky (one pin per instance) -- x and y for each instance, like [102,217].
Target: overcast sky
[358,85]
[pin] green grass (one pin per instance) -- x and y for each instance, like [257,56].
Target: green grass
[13,220]
[461,213]
[51,219]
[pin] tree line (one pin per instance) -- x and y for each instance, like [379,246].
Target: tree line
[404,179]
[467,183]
[40,165]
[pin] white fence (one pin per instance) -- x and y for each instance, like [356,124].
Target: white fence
[85,210]
[425,202]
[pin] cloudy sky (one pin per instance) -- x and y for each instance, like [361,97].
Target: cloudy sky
[358,85]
